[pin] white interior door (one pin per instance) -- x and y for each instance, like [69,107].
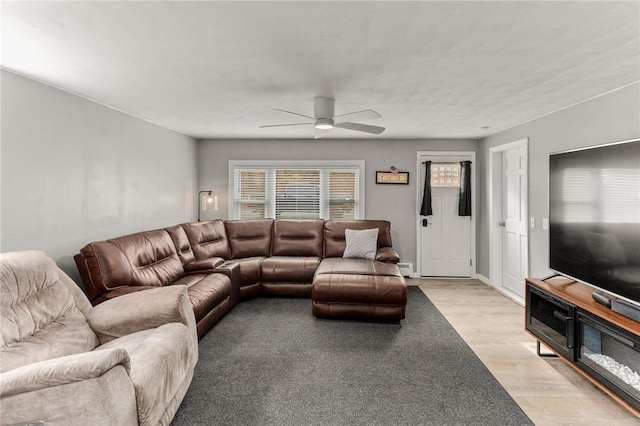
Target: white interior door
[514,223]
[446,238]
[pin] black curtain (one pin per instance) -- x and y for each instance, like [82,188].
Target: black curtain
[425,210]
[464,207]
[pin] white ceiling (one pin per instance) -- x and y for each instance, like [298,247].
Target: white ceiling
[431,69]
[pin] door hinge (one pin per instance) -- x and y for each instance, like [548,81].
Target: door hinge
[470,262]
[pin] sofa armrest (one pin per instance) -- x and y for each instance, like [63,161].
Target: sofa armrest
[142,310]
[75,389]
[387,255]
[232,270]
[203,265]
[61,371]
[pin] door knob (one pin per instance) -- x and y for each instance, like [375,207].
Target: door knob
[503,224]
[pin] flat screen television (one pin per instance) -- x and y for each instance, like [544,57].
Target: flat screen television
[594,217]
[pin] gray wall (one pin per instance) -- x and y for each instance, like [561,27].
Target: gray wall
[73,171]
[608,118]
[396,203]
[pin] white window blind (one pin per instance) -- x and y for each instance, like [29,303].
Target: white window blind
[296,190]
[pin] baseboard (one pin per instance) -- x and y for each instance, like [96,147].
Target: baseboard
[483,279]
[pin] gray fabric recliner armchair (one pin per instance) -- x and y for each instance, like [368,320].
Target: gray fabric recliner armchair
[128,361]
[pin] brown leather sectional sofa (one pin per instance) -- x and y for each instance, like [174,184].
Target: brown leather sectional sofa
[223,262]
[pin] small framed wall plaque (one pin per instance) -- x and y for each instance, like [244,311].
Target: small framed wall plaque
[400,178]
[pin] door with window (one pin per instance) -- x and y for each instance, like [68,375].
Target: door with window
[445,237]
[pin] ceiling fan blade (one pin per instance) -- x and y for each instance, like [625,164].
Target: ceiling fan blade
[367,114]
[294,113]
[360,127]
[320,133]
[283,125]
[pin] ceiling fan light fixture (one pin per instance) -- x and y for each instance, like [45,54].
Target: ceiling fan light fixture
[324,124]
[324,116]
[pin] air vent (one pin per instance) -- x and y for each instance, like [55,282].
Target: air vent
[406,269]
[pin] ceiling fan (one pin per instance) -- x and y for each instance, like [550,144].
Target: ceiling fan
[324,119]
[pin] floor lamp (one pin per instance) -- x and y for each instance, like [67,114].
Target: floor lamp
[211,199]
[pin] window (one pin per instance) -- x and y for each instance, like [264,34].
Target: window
[297,189]
[445,174]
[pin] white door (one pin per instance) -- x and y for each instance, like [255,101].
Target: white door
[446,238]
[514,222]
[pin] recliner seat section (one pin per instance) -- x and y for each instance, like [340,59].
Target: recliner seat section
[186,254]
[208,239]
[146,260]
[249,245]
[107,270]
[296,253]
[225,261]
[358,288]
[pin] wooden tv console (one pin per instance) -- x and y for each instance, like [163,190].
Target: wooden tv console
[561,314]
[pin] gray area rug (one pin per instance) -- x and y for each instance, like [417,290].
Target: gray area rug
[270,362]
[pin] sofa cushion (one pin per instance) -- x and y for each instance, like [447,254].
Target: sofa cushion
[39,318]
[208,239]
[334,234]
[361,244]
[357,267]
[249,238]
[206,291]
[288,269]
[359,282]
[297,237]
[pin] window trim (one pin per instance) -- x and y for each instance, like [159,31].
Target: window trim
[274,164]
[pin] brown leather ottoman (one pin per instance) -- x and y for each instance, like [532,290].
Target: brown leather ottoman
[358,289]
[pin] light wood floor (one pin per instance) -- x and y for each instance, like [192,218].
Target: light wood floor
[548,390]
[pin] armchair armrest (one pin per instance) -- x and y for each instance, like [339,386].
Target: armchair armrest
[141,311]
[74,389]
[388,255]
[201,265]
[61,371]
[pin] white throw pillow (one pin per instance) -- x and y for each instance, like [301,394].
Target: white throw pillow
[361,244]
